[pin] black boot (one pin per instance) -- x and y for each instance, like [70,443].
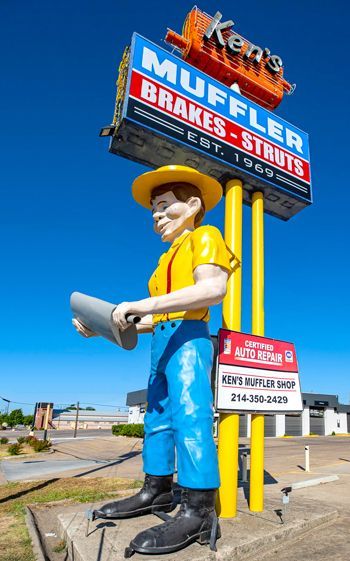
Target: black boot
[195,521]
[155,495]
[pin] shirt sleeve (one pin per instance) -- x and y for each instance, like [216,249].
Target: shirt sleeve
[208,247]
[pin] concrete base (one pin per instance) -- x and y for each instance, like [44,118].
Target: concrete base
[245,537]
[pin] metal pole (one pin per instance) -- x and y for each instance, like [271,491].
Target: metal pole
[231,317]
[256,491]
[245,467]
[76,420]
[46,422]
[31,432]
[8,401]
[307,458]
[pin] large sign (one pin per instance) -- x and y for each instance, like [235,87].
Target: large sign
[212,46]
[256,374]
[173,113]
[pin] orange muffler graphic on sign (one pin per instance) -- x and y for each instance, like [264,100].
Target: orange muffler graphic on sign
[213,47]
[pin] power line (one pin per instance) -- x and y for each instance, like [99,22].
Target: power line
[19,402]
[68,405]
[103,405]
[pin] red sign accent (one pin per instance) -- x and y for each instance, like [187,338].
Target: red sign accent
[243,349]
[171,103]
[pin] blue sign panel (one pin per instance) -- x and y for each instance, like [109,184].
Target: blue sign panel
[174,113]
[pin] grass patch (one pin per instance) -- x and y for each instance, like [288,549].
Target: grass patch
[15,544]
[26,449]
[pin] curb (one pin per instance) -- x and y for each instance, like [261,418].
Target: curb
[313,482]
[3,478]
[34,535]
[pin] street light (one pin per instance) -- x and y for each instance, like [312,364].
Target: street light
[8,403]
[107,131]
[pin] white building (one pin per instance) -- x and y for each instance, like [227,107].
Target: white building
[63,419]
[137,403]
[322,414]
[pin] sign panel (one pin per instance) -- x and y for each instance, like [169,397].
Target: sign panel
[256,374]
[210,127]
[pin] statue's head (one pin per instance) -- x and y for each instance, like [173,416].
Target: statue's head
[178,197]
[176,207]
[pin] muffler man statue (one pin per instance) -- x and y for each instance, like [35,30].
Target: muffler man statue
[191,276]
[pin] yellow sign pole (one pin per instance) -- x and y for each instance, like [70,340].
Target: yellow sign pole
[231,316]
[256,498]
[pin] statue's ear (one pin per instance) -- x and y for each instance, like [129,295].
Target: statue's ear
[195,205]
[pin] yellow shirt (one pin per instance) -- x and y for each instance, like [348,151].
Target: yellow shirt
[204,245]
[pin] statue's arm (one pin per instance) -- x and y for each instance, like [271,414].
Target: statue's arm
[209,289]
[145,325]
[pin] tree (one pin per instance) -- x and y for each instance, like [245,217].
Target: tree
[28,420]
[15,418]
[90,408]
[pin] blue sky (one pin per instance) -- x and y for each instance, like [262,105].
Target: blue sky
[68,221]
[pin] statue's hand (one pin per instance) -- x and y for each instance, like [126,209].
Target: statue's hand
[82,329]
[118,316]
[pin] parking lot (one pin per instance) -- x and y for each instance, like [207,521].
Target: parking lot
[109,456]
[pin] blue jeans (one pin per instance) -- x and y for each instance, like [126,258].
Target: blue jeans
[180,405]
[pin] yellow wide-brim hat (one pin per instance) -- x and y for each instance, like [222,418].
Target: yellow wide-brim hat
[144,184]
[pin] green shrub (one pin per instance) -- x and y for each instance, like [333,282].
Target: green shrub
[41,445]
[135,430]
[116,429]
[31,440]
[21,439]
[333,433]
[14,449]
[4,440]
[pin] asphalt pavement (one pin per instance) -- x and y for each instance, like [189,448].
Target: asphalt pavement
[57,434]
[110,456]
[105,456]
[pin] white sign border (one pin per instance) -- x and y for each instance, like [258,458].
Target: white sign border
[255,372]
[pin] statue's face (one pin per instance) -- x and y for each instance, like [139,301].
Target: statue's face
[171,216]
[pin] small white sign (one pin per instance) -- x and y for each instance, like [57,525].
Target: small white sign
[250,389]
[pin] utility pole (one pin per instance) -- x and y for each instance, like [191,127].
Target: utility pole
[31,432]
[76,420]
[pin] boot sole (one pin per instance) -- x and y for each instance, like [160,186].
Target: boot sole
[139,512]
[203,538]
